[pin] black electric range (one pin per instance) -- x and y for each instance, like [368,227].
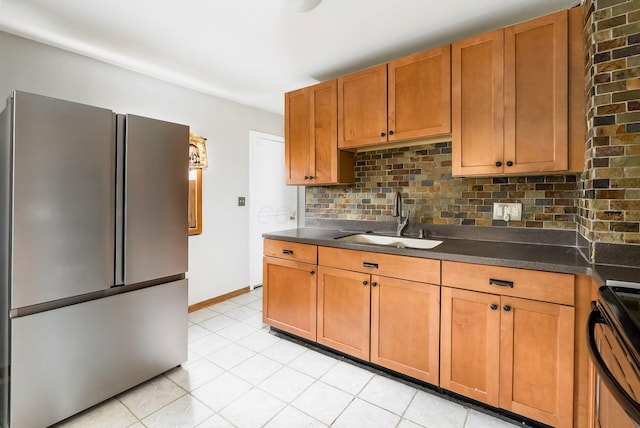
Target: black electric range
[613,335]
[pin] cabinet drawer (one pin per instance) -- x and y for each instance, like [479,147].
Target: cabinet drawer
[528,284]
[403,267]
[291,251]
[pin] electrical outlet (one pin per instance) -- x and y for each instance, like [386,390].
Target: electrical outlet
[507,212]
[241,201]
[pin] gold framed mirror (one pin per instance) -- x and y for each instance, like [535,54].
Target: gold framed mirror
[195,201]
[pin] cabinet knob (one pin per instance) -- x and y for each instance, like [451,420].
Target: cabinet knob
[306,177]
[365,283]
[312,272]
[311,177]
[374,284]
[382,134]
[509,163]
[498,163]
[507,308]
[390,132]
[493,306]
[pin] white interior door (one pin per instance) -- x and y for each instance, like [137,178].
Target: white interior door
[272,204]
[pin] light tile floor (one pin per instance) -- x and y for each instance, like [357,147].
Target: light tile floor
[240,375]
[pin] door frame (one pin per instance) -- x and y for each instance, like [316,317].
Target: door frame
[253,136]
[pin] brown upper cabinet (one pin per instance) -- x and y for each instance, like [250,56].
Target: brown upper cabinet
[311,147]
[406,99]
[510,99]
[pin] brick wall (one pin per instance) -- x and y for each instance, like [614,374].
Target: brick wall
[423,175]
[609,209]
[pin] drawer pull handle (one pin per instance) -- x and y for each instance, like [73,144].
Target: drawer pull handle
[370,265]
[287,252]
[501,283]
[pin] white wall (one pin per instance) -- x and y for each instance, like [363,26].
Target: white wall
[219,258]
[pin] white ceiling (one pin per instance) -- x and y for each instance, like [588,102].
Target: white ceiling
[252,51]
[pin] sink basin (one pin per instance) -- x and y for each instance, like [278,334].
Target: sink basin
[391,241]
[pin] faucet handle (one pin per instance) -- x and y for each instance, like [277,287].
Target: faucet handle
[421,233]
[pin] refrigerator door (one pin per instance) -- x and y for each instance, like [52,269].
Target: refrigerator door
[156,199]
[68,359]
[5,229]
[63,156]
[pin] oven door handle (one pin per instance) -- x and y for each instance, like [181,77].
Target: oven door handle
[621,396]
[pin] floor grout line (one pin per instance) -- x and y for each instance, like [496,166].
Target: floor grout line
[276,356]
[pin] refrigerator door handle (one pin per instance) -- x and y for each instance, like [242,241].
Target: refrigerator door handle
[120,208]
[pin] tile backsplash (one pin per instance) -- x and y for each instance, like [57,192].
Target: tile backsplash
[423,175]
[609,212]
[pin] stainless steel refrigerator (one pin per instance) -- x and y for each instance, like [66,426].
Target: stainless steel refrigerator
[93,255]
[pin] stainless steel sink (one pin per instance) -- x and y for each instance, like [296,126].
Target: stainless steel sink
[391,241]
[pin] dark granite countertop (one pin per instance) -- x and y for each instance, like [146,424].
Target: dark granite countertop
[537,256]
[520,255]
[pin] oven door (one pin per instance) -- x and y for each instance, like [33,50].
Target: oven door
[617,382]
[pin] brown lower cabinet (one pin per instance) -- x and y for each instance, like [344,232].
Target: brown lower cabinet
[508,352]
[289,301]
[469,354]
[389,321]
[381,308]
[405,321]
[343,311]
[502,336]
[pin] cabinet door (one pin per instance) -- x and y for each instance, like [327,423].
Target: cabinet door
[344,311]
[362,107]
[405,326]
[477,115]
[297,136]
[470,344]
[289,301]
[536,367]
[419,98]
[324,133]
[536,95]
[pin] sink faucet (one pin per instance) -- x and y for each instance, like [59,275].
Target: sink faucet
[397,212]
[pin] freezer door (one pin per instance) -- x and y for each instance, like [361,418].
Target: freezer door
[63,199]
[156,199]
[68,359]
